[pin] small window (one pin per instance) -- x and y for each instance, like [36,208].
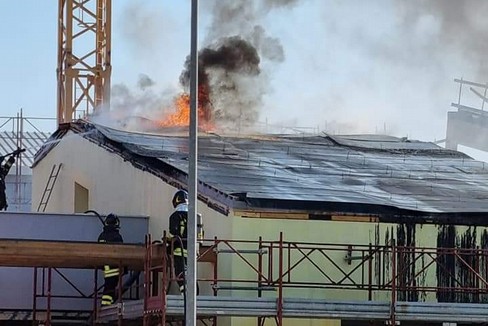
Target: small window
[81,198]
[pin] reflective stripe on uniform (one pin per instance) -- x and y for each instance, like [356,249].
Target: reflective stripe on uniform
[177,252]
[110,272]
[182,227]
[107,300]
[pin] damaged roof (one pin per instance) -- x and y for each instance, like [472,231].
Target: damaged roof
[359,173]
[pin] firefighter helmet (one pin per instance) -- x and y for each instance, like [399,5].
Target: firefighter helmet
[181,196]
[112,219]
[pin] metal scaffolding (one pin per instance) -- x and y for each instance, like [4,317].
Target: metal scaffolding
[384,281]
[389,271]
[21,132]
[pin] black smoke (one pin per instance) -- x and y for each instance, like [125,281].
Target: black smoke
[231,81]
[231,59]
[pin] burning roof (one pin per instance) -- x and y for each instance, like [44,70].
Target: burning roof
[317,174]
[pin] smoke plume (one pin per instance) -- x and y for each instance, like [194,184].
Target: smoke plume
[336,66]
[230,78]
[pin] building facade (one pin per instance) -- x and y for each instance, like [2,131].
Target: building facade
[355,198]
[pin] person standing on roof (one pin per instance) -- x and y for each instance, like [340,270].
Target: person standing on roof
[110,234]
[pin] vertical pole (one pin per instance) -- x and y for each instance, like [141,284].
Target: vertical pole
[61,100]
[34,301]
[164,282]
[147,285]
[49,284]
[260,267]
[107,69]
[68,63]
[192,172]
[370,273]
[215,269]
[270,262]
[215,276]
[288,270]
[95,297]
[280,284]
[119,295]
[260,275]
[393,283]
[460,90]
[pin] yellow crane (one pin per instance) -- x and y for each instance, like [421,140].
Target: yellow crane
[84,49]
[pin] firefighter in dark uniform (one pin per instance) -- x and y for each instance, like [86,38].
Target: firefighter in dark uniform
[178,233]
[4,169]
[110,234]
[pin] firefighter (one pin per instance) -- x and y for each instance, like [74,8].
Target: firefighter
[110,234]
[4,169]
[178,233]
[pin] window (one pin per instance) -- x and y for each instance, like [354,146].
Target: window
[81,198]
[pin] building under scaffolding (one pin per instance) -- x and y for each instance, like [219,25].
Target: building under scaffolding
[21,132]
[351,229]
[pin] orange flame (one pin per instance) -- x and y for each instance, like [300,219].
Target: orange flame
[181,116]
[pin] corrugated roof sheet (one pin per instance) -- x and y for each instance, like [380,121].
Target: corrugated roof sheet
[371,170]
[376,170]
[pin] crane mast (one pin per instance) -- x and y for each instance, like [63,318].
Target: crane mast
[84,50]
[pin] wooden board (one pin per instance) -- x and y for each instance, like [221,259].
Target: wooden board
[64,254]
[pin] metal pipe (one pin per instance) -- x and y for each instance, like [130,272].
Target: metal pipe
[191,284]
[370,273]
[119,294]
[147,285]
[260,266]
[393,283]
[164,281]
[34,303]
[95,296]
[215,269]
[279,313]
[49,284]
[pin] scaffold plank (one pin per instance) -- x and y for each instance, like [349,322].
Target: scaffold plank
[84,255]
[65,254]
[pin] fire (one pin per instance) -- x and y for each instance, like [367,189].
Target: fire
[181,116]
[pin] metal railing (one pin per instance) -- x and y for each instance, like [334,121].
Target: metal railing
[283,270]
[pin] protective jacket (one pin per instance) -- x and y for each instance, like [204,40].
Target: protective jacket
[4,169]
[110,234]
[178,229]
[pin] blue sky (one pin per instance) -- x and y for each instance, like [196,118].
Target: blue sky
[350,66]
[28,54]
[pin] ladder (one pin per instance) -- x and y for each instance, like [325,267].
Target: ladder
[49,187]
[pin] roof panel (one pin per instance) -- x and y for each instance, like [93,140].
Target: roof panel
[360,169]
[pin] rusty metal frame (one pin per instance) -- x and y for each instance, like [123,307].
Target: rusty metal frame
[48,292]
[284,258]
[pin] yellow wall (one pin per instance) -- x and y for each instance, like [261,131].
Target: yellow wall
[334,232]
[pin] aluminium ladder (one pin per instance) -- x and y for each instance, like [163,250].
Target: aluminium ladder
[51,181]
